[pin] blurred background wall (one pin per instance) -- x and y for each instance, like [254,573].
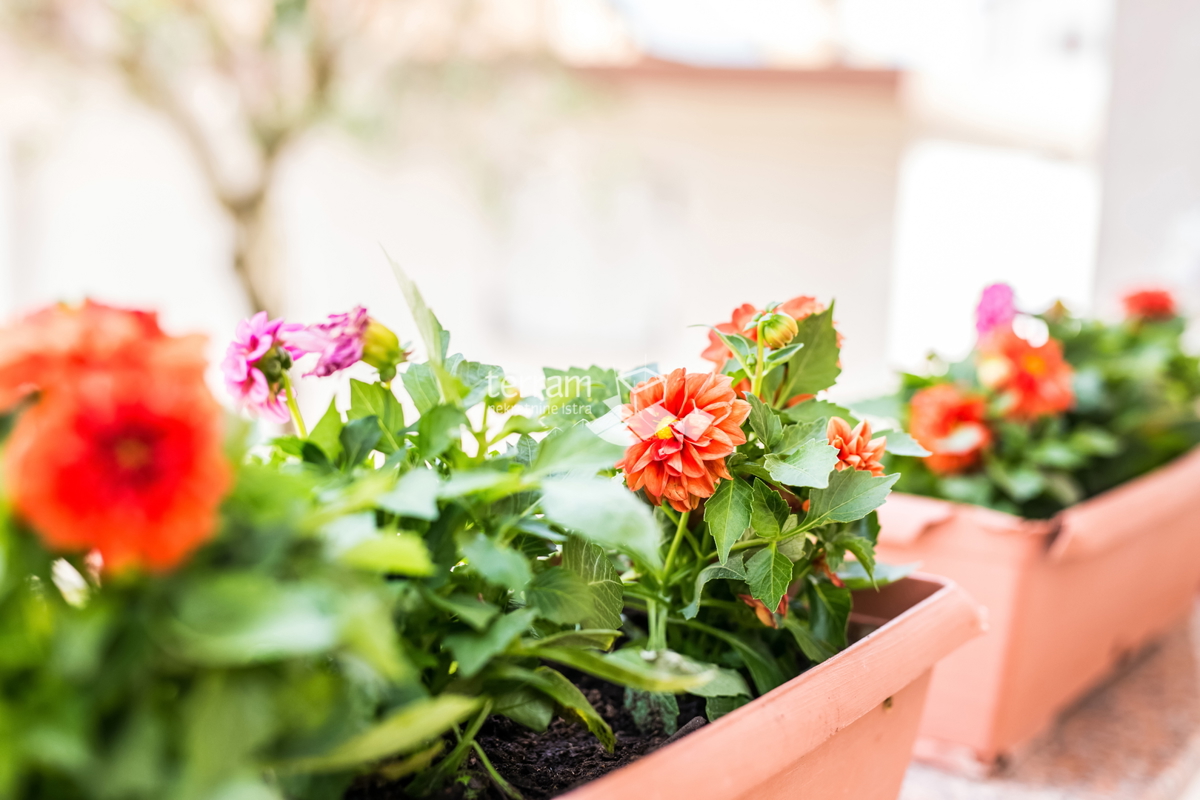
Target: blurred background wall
[579,180]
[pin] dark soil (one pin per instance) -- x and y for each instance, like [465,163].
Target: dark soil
[544,765]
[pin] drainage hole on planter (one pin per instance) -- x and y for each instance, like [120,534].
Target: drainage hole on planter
[888,703]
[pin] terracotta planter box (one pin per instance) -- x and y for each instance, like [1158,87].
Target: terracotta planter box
[1067,599]
[844,729]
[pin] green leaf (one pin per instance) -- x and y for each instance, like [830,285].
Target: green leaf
[478,380]
[811,410]
[526,706]
[814,367]
[724,683]
[439,428]
[477,481]
[422,386]
[403,732]
[560,596]
[829,613]
[733,570]
[855,577]
[648,671]
[813,648]
[852,494]
[377,400]
[570,699]
[396,554]
[576,450]
[762,666]
[591,563]
[435,337]
[588,638]
[900,443]
[764,422]
[519,424]
[606,513]
[810,465]
[415,495]
[727,514]
[796,435]
[327,433]
[652,712]
[768,511]
[497,564]
[769,572]
[473,651]
[863,550]
[358,439]
[717,707]
[1021,484]
[471,610]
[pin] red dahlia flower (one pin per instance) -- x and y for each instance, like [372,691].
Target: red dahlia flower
[949,424]
[122,451]
[686,425]
[856,449]
[1034,381]
[1153,304]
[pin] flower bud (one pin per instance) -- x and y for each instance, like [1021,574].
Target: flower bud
[778,330]
[382,350]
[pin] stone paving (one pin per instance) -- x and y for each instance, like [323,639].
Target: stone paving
[1137,737]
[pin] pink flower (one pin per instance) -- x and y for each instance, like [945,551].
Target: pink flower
[256,361]
[995,309]
[338,341]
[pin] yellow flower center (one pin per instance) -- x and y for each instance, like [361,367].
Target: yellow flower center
[664,429]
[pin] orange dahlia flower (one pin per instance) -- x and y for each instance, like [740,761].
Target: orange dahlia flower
[122,451]
[686,425]
[1154,304]
[797,308]
[1034,381]
[856,449]
[949,424]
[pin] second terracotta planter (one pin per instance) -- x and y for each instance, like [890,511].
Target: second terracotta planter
[844,729]
[1067,599]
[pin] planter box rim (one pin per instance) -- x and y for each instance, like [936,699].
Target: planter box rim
[1083,530]
[833,695]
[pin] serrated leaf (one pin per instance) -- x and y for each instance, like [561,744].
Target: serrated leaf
[810,465]
[796,435]
[327,432]
[768,511]
[724,683]
[764,422]
[422,386]
[575,450]
[810,410]
[374,399]
[473,651]
[439,428]
[813,648]
[497,564]
[717,707]
[403,732]
[415,495]
[605,513]
[863,550]
[560,595]
[435,337]
[733,569]
[814,367]
[852,494]
[358,438]
[591,563]
[727,514]
[829,613]
[900,443]
[768,572]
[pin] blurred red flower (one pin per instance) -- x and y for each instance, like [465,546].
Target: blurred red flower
[121,452]
[1155,304]
[1033,381]
[949,424]
[856,449]
[686,425]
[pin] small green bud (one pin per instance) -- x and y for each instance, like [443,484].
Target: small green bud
[778,330]
[382,350]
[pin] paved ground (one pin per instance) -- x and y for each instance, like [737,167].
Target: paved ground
[1135,738]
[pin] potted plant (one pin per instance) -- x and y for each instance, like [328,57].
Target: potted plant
[681,538]
[1061,475]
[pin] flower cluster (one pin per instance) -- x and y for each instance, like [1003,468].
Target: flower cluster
[950,424]
[1150,304]
[263,350]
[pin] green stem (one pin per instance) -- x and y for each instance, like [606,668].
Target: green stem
[756,386]
[432,779]
[680,529]
[294,409]
[502,784]
[656,614]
